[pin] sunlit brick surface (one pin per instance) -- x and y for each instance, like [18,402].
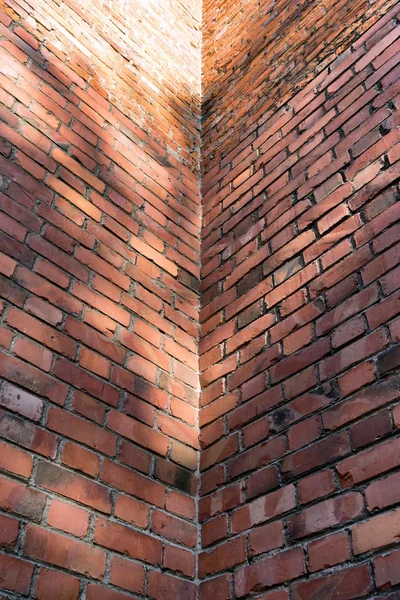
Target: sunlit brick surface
[155,157]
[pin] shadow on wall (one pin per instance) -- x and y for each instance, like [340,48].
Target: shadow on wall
[99,245]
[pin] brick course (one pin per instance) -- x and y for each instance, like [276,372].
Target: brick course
[300,205]
[199,283]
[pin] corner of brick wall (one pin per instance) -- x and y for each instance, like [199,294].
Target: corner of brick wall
[299,348]
[111,464]
[99,286]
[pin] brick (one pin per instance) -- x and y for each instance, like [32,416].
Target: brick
[328,551]
[15,461]
[15,574]
[377,532]
[37,382]
[80,459]
[50,583]
[315,486]
[266,538]
[174,529]
[69,425]
[362,403]
[165,587]
[19,401]
[68,517]
[220,501]
[27,435]
[270,571]
[223,557]
[348,583]
[133,483]
[368,464]
[64,551]
[132,511]
[74,486]
[263,509]
[97,592]
[263,480]
[257,457]
[325,515]
[9,529]
[383,493]
[370,429]
[133,543]
[387,570]
[127,574]
[180,505]
[79,378]
[317,455]
[179,560]
[138,433]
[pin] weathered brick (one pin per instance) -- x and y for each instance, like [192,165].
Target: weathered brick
[347,583]
[326,514]
[270,571]
[64,552]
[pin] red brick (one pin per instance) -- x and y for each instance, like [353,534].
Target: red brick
[33,353]
[165,587]
[97,592]
[368,464]
[127,574]
[21,402]
[179,560]
[266,538]
[220,501]
[387,570]
[133,483]
[378,531]
[132,511]
[218,587]
[128,541]
[180,505]
[31,378]
[69,425]
[317,455]
[15,461]
[303,433]
[174,529]
[326,514]
[347,583]
[64,552]
[51,583]
[315,486]
[370,429]
[214,530]
[15,574]
[262,481]
[80,459]
[67,483]
[9,529]
[328,551]
[42,333]
[68,517]
[224,556]
[138,433]
[270,571]
[79,378]
[263,509]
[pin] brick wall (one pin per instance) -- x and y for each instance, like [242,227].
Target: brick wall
[99,263]
[100,285]
[300,290]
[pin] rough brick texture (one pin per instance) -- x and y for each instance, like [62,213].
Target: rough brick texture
[135,189]
[99,281]
[299,350]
